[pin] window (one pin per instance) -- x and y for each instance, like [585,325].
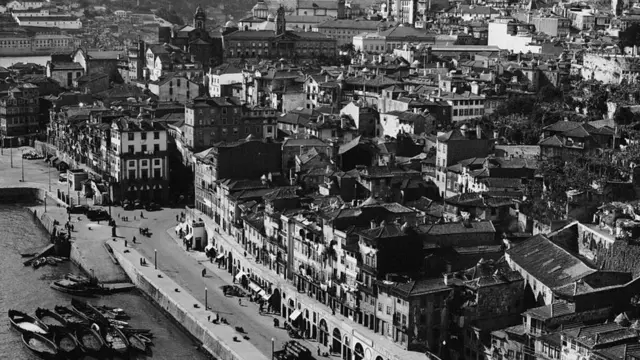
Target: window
[144,148]
[145,174]
[132,163]
[156,135]
[143,135]
[157,174]
[156,162]
[156,147]
[144,163]
[131,149]
[132,174]
[388,310]
[130,136]
[380,307]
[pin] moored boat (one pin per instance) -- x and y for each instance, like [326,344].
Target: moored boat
[66,342]
[116,340]
[40,345]
[73,288]
[90,340]
[89,312]
[72,318]
[50,318]
[137,344]
[26,323]
[77,278]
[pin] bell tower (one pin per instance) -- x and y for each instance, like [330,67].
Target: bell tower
[281,25]
[199,18]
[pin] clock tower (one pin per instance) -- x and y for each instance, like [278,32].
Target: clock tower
[199,18]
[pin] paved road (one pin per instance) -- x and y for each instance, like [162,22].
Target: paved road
[186,269]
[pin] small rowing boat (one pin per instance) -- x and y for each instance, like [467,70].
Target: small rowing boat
[90,340]
[50,318]
[72,318]
[26,323]
[40,345]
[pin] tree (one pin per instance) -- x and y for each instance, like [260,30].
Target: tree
[629,37]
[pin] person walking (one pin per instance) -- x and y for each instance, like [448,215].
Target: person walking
[204,272]
[134,239]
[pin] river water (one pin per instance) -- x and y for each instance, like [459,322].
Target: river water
[24,288]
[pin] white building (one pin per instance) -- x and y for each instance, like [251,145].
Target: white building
[221,78]
[139,160]
[508,34]
[62,22]
[23,5]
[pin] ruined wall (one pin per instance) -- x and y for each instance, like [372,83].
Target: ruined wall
[610,69]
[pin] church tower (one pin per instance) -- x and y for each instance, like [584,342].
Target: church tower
[281,25]
[199,18]
[341,9]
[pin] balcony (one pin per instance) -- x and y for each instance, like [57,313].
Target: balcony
[276,242]
[368,268]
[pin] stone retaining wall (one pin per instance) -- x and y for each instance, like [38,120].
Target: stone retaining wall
[196,326]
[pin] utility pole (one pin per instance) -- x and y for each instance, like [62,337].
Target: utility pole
[11,155]
[22,165]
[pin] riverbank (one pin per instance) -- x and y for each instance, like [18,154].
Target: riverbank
[221,340]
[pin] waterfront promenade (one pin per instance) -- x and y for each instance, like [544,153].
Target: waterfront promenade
[185,268]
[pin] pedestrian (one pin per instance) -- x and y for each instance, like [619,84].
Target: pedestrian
[177,218]
[141,215]
[240,301]
[210,259]
[134,218]
[318,350]
[125,243]
[134,239]
[204,272]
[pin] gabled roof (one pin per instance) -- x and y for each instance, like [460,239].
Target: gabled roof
[386,231]
[553,141]
[598,335]
[548,262]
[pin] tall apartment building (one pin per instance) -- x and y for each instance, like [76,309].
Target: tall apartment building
[139,164]
[19,108]
[212,120]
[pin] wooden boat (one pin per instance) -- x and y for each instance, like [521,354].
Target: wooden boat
[72,318]
[90,340]
[50,318]
[137,344]
[66,342]
[89,312]
[118,314]
[40,345]
[52,261]
[116,340]
[73,288]
[39,262]
[26,323]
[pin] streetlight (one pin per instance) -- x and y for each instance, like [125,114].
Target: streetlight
[155,258]
[49,176]
[273,346]
[22,165]
[206,306]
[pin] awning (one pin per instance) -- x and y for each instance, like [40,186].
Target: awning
[240,275]
[295,315]
[253,286]
[188,237]
[266,296]
[261,293]
[220,256]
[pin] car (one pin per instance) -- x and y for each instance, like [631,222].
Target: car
[128,206]
[152,207]
[79,209]
[97,215]
[138,204]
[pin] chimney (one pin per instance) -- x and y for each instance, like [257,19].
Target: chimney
[478,132]
[447,279]
[551,307]
[373,224]
[575,288]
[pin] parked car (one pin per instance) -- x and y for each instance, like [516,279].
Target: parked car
[152,207]
[138,204]
[97,215]
[79,209]
[128,206]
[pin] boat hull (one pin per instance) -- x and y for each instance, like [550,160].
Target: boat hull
[18,318]
[40,345]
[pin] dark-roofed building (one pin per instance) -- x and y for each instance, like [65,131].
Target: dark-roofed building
[568,139]
[279,43]
[97,61]
[407,122]
[343,30]
[19,107]
[64,72]
[140,161]
[457,234]
[294,147]
[211,120]
[247,158]
[583,341]
[546,266]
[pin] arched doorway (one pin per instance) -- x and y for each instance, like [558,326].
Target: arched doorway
[275,300]
[230,263]
[346,350]
[337,344]
[324,333]
[314,332]
[358,352]
[379,358]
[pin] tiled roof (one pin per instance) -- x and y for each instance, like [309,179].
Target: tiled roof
[66,66]
[598,335]
[288,192]
[385,231]
[553,141]
[304,142]
[456,228]
[549,311]
[548,262]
